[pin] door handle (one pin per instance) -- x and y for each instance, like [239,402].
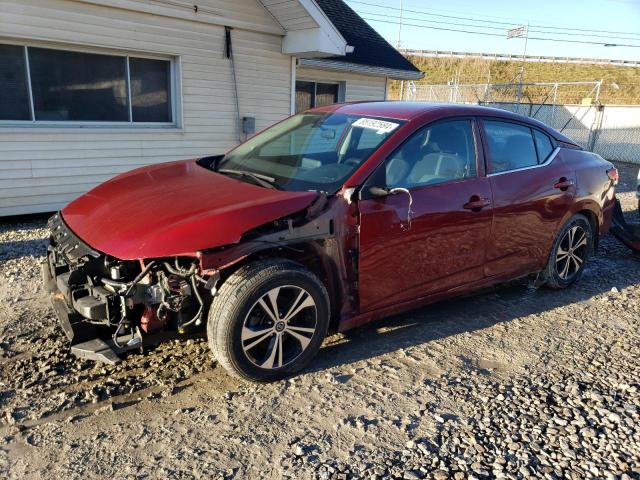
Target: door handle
[476,203]
[563,184]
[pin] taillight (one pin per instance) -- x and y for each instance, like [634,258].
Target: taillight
[613,175]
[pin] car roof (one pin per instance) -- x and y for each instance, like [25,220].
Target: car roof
[409,111]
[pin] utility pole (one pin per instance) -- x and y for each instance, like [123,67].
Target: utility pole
[399,43]
[524,55]
[520,32]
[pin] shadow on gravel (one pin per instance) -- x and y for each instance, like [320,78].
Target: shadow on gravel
[479,311]
[25,222]
[614,265]
[22,248]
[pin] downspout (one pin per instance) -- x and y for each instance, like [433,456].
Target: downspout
[294,68]
[229,55]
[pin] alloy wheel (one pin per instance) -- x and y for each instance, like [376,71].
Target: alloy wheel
[279,327]
[571,253]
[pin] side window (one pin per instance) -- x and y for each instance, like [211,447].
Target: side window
[510,146]
[543,145]
[435,154]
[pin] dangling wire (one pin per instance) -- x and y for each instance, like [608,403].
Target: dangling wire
[395,191]
[229,55]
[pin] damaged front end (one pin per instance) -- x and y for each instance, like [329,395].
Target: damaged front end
[107,306]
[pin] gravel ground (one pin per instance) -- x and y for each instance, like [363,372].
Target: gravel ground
[514,383]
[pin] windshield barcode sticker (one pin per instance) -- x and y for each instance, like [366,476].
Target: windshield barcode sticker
[381,126]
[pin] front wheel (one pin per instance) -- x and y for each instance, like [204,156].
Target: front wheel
[268,320]
[570,252]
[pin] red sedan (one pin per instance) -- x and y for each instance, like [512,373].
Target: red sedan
[323,222]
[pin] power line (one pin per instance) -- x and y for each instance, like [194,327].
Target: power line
[423,12]
[437,28]
[486,34]
[585,31]
[487,18]
[502,29]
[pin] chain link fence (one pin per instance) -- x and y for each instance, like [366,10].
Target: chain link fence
[616,134]
[554,93]
[575,121]
[572,108]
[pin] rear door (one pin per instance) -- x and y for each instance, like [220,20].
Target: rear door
[432,235]
[532,190]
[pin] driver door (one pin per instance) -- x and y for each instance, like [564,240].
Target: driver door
[432,235]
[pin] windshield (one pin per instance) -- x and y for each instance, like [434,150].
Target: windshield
[311,151]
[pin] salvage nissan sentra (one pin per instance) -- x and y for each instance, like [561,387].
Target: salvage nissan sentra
[323,222]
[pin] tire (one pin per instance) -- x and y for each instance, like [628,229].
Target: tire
[253,342]
[561,271]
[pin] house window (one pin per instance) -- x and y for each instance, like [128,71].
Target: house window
[315,94]
[46,85]
[14,96]
[150,92]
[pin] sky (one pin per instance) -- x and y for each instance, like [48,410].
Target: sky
[608,21]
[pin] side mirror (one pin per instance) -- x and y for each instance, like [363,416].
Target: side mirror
[379,191]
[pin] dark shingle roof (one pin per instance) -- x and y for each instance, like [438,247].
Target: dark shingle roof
[369,47]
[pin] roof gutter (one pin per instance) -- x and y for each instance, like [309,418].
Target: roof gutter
[340,66]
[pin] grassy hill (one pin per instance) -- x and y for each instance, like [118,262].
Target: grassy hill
[621,85]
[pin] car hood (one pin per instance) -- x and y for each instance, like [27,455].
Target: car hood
[174,209]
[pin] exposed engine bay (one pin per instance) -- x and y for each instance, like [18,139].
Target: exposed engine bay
[108,306]
[118,301]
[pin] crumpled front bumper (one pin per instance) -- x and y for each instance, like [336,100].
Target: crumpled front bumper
[73,324]
[86,309]
[64,250]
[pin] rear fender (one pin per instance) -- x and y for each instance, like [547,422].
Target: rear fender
[590,209]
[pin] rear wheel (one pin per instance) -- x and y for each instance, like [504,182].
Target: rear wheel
[268,320]
[570,252]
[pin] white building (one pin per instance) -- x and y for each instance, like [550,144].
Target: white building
[92,88]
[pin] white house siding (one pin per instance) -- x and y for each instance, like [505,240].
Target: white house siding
[43,168]
[235,13]
[358,87]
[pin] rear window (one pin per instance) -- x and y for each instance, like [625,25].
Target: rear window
[543,145]
[511,146]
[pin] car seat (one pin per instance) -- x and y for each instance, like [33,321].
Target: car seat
[446,160]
